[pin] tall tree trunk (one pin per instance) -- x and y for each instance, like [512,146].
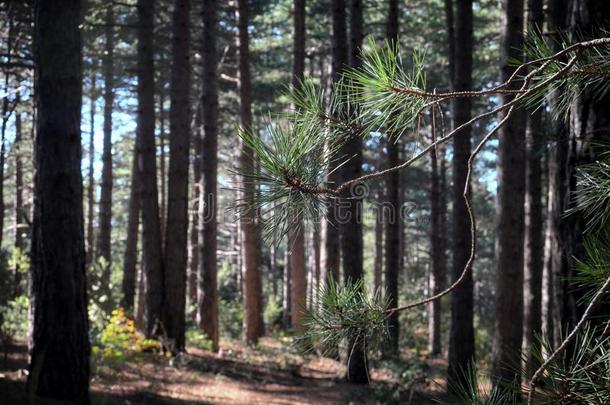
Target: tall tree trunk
[178,177]
[147,166]
[533,240]
[130,257]
[589,133]
[208,291]
[193,246]
[250,243]
[437,279]
[351,229]
[379,252]
[287,289]
[461,337]
[331,256]
[555,261]
[511,197]
[297,233]
[59,366]
[105,207]
[392,218]
[90,176]
[105,213]
[19,209]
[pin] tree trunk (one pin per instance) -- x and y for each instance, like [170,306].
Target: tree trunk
[379,252]
[351,229]
[392,217]
[250,243]
[510,212]
[178,176]
[461,337]
[193,247]
[437,279]
[130,258]
[296,238]
[208,291]
[147,166]
[90,177]
[555,263]
[533,242]
[287,289]
[59,366]
[19,209]
[331,256]
[105,218]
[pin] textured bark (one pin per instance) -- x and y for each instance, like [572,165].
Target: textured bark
[508,323]
[555,262]
[351,223]
[19,209]
[178,176]
[208,292]
[250,243]
[331,256]
[287,290]
[90,176]
[297,235]
[461,337]
[379,251]
[105,207]
[193,246]
[533,242]
[130,257]
[147,167]
[59,367]
[392,217]
[438,276]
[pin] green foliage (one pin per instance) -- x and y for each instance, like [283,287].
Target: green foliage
[588,73]
[195,338]
[345,313]
[14,319]
[120,339]
[471,391]
[273,312]
[594,270]
[383,92]
[292,161]
[230,318]
[593,195]
[579,375]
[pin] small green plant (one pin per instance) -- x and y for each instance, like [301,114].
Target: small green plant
[195,338]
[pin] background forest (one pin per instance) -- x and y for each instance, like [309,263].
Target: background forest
[171,229]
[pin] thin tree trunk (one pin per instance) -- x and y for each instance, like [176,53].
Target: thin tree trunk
[149,195]
[19,209]
[511,197]
[90,177]
[331,256]
[437,279]
[105,207]
[130,258]
[296,235]
[250,243]
[555,261]
[178,177]
[461,338]
[287,289]
[193,247]
[59,366]
[533,242]
[351,229]
[208,291]
[379,252]
[392,218]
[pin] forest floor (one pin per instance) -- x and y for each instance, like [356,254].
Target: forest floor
[269,374]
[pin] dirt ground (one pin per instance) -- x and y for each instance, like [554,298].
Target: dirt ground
[268,374]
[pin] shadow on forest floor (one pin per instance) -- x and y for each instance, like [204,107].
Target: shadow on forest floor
[269,374]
